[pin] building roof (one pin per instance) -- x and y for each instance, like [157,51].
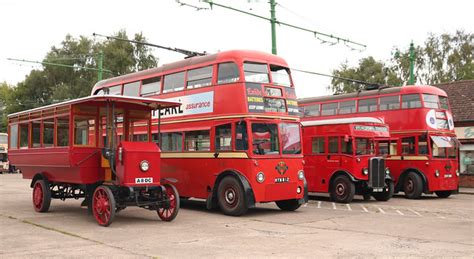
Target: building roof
[461,99]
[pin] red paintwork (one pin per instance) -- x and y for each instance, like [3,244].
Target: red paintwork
[129,168]
[197,176]
[405,122]
[319,168]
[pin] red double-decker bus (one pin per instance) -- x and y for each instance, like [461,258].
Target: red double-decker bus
[423,156]
[236,139]
[340,158]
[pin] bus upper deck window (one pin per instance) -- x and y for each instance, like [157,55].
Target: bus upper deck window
[256,72]
[347,107]
[368,105]
[199,77]
[443,102]
[311,110]
[280,75]
[430,101]
[390,103]
[411,101]
[228,73]
[173,82]
[329,108]
[131,89]
[115,90]
[151,86]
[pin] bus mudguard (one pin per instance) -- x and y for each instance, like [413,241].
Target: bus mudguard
[211,201]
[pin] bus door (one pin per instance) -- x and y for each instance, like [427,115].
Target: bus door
[333,157]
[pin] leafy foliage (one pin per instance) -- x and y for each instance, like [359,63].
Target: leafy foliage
[55,83]
[443,58]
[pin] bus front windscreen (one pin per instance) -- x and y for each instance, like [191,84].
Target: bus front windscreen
[265,139]
[364,146]
[290,138]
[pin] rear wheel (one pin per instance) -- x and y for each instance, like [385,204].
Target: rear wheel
[171,206]
[103,205]
[443,194]
[231,197]
[342,189]
[288,205]
[413,186]
[41,196]
[386,194]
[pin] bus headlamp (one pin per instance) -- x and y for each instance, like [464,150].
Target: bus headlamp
[365,171]
[387,171]
[301,175]
[437,173]
[144,165]
[260,177]
[457,172]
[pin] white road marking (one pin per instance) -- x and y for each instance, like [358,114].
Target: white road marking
[334,205]
[348,207]
[381,210]
[364,208]
[319,204]
[398,211]
[418,214]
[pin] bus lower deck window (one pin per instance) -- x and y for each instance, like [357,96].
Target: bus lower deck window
[223,139]
[197,140]
[63,131]
[241,136]
[317,145]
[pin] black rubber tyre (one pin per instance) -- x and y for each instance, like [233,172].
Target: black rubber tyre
[288,205]
[231,197]
[385,195]
[413,186]
[342,189]
[443,194]
[41,196]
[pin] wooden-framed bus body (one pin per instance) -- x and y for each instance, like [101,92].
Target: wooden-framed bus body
[232,100]
[344,146]
[417,116]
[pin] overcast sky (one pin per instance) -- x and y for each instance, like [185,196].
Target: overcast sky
[30,27]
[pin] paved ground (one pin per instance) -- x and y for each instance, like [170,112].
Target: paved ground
[429,227]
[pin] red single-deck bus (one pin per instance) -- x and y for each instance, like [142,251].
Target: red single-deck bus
[423,158]
[84,148]
[340,158]
[236,139]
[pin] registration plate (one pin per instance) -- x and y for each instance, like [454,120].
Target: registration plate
[448,176]
[377,190]
[144,180]
[282,180]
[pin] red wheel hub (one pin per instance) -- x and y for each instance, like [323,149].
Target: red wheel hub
[38,196]
[101,206]
[168,210]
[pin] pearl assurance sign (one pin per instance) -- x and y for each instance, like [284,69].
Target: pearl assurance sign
[190,104]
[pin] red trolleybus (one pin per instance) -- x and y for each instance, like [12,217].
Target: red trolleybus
[235,140]
[340,158]
[423,159]
[83,149]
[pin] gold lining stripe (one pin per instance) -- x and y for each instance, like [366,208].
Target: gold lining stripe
[203,155]
[226,117]
[422,131]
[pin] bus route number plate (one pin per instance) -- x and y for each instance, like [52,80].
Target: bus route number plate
[144,180]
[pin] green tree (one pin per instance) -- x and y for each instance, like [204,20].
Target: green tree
[57,83]
[369,70]
[5,93]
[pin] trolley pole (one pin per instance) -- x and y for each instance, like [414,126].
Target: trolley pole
[100,61]
[411,81]
[273,23]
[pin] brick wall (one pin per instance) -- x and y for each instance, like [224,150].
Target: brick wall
[466,180]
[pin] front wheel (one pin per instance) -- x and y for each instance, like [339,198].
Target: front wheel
[103,205]
[231,197]
[443,194]
[41,196]
[386,194]
[413,186]
[342,189]
[170,209]
[288,205]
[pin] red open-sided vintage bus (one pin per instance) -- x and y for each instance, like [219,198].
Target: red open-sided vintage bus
[340,158]
[84,148]
[235,140]
[423,158]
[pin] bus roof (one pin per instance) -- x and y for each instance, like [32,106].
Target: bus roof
[341,121]
[147,102]
[409,89]
[224,56]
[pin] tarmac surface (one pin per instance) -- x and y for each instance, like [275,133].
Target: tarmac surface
[428,227]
